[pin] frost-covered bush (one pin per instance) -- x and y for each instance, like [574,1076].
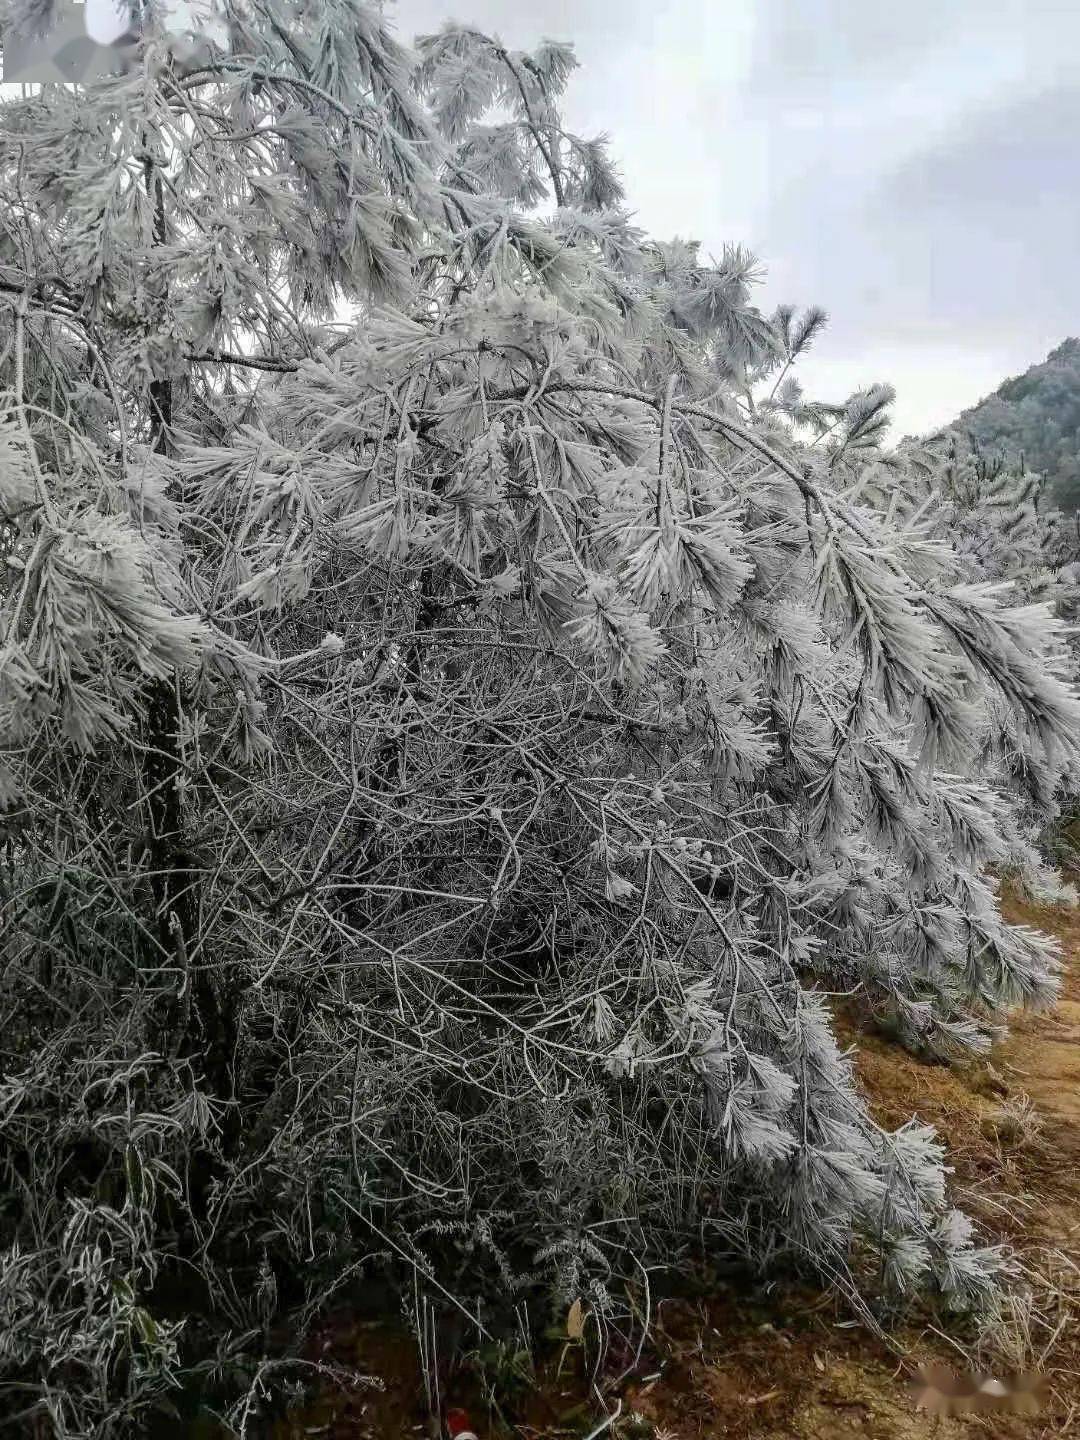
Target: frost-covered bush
[448,755]
[1006,533]
[1005,537]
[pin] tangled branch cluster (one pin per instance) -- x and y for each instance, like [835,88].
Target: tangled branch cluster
[449,758]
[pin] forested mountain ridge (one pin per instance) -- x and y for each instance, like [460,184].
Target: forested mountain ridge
[1037,416]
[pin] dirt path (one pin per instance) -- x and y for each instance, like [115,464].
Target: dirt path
[793,1370]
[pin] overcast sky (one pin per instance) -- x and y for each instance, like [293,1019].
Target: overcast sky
[914,167]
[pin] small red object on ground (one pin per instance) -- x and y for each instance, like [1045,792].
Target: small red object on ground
[458,1427]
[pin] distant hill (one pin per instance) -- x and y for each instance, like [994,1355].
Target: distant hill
[1037,416]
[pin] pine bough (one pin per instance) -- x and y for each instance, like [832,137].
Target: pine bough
[449,756]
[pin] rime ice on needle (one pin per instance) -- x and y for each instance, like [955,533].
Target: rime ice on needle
[447,761]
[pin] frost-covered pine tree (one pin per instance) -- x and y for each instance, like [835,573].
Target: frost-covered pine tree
[995,518]
[449,752]
[1005,534]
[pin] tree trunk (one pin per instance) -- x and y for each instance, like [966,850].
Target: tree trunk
[176,900]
